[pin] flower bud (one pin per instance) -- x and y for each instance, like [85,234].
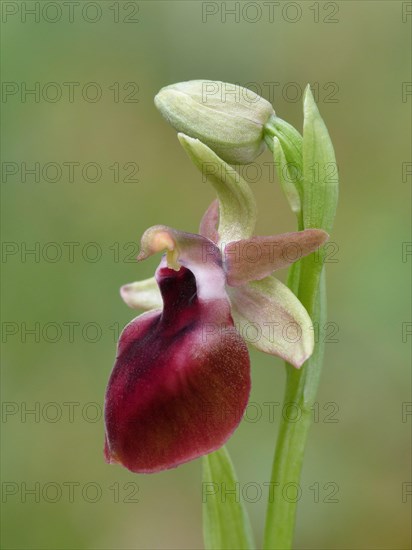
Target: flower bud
[226,117]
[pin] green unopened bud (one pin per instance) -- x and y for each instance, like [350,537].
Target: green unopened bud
[226,117]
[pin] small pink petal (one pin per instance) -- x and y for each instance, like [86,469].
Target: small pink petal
[256,258]
[209,223]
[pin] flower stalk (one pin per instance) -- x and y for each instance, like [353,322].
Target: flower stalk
[301,389]
[318,198]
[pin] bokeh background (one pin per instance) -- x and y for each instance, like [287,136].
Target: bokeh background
[57,491]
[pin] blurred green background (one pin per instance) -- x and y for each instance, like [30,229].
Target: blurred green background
[356,54]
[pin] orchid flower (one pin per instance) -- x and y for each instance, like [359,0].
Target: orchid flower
[181,381]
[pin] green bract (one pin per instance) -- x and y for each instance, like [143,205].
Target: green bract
[226,117]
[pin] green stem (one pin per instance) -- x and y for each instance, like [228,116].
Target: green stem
[307,281]
[301,388]
[313,197]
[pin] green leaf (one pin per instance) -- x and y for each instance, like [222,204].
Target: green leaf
[237,206]
[319,193]
[285,142]
[286,178]
[289,138]
[226,525]
[320,172]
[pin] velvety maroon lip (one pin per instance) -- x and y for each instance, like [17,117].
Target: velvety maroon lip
[176,391]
